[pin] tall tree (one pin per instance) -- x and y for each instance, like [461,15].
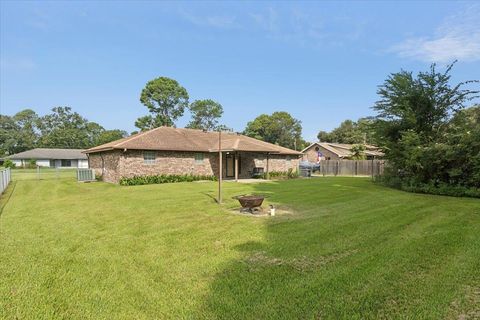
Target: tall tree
[63,128]
[351,132]
[415,124]
[93,131]
[324,136]
[149,122]
[19,132]
[27,134]
[107,136]
[278,128]
[165,99]
[8,136]
[205,114]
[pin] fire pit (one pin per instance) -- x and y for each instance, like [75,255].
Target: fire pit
[250,203]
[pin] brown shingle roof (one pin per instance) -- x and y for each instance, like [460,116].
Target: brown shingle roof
[176,139]
[343,150]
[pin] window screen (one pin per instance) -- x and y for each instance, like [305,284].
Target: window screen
[198,158]
[149,157]
[66,163]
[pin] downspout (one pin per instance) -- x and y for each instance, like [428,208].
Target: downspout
[103,164]
[267,176]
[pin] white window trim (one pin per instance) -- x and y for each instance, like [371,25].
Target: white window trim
[149,161]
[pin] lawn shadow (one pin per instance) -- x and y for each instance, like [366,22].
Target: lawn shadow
[276,278]
[351,249]
[211,196]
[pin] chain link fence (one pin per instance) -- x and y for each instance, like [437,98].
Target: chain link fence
[44,173]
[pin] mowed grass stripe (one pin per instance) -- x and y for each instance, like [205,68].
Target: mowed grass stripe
[348,249]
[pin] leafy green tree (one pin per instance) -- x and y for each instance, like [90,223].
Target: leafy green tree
[93,131]
[222,127]
[27,134]
[351,132]
[324,136]
[425,133]
[278,128]
[149,122]
[205,114]
[358,152]
[107,136]
[165,99]
[8,135]
[63,128]
[9,164]
[19,132]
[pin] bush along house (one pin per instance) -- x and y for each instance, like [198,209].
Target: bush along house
[175,151]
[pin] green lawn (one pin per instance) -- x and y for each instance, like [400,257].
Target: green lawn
[43,173]
[349,249]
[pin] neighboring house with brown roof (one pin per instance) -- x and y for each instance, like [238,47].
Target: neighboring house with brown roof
[167,150]
[49,157]
[336,151]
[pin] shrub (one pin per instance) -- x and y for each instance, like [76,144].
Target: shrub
[437,188]
[9,164]
[164,178]
[31,164]
[290,174]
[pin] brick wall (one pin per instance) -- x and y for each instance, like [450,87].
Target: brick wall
[114,165]
[310,155]
[167,162]
[106,164]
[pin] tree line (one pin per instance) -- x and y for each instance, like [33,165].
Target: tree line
[430,137]
[62,128]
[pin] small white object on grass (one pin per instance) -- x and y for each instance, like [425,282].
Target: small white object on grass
[272,210]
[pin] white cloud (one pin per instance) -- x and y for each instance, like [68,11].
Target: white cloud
[457,38]
[216,21]
[308,28]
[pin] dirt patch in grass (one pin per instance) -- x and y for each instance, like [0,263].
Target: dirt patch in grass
[260,260]
[282,211]
[469,307]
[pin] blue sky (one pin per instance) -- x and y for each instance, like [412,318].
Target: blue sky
[322,62]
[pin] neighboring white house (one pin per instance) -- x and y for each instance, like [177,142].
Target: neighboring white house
[54,158]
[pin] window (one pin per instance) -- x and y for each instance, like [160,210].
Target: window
[198,158]
[66,163]
[288,159]
[149,157]
[317,149]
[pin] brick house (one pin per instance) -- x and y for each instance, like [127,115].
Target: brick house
[167,150]
[336,151]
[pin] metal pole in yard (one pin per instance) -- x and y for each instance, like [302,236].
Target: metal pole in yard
[219,167]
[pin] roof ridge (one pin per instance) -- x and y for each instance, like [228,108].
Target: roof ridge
[140,134]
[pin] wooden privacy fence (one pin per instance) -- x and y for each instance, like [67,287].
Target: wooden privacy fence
[5,178]
[371,168]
